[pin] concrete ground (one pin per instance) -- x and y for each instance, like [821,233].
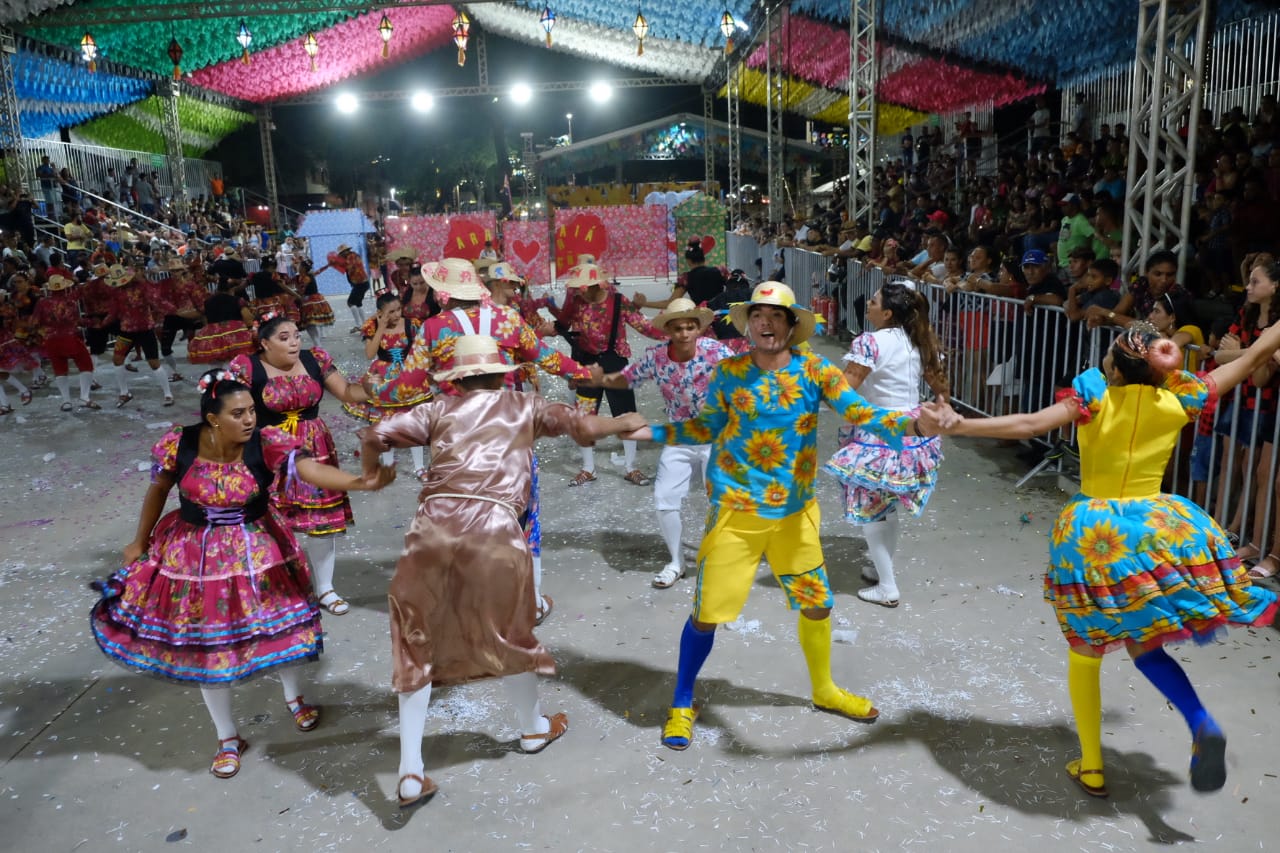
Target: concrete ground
[969,673]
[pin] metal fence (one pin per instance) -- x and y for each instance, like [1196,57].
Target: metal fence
[88,165]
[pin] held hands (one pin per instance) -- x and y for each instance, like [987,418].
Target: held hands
[936,419]
[1229,343]
[378,479]
[639,299]
[630,423]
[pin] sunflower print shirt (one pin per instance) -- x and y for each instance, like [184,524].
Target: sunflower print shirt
[763,425]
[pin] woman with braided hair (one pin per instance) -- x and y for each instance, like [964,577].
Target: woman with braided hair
[1129,566]
[218,592]
[886,367]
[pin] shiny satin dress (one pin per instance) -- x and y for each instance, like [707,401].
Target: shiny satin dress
[461,601]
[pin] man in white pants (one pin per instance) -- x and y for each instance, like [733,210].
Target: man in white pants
[682,367]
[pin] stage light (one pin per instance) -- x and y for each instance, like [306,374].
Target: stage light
[521,93]
[600,91]
[422,101]
[347,103]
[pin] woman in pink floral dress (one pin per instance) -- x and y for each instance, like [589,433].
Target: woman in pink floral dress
[217,591]
[886,367]
[288,383]
[14,354]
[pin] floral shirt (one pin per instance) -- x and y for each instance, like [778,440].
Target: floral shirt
[57,315]
[96,298]
[138,306]
[432,351]
[592,322]
[763,428]
[683,383]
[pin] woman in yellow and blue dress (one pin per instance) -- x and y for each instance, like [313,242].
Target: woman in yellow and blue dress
[1129,566]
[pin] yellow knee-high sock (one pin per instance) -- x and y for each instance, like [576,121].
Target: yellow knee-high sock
[1084,683]
[815,640]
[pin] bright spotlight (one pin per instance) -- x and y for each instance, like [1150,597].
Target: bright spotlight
[521,93]
[347,103]
[422,101]
[600,91]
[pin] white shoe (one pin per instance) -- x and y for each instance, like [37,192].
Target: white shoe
[879,594]
[670,573]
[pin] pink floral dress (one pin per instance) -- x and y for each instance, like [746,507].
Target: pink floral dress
[295,400]
[215,603]
[399,389]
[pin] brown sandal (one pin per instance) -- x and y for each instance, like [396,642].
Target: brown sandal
[636,477]
[428,791]
[559,725]
[305,717]
[1077,775]
[583,478]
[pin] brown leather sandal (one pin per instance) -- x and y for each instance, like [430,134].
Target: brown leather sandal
[428,791]
[1077,775]
[583,478]
[559,725]
[226,761]
[305,717]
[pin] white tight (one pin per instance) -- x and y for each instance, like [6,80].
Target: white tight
[882,542]
[322,551]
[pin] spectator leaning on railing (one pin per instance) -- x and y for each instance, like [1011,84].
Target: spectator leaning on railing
[1161,277]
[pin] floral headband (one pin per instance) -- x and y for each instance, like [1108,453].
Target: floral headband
[210,381]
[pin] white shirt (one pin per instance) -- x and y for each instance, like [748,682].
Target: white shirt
[896,372]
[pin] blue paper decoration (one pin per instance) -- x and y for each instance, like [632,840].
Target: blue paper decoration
[691,21]
[55,93]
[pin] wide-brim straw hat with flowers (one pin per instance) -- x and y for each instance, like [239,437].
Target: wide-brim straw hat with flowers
[482,266]
[777,294]
[118,275]
[684,309]
[404,253]
[100,270]
[58,282]
[474,355]
[455,277]
[342,247]
[585,275]
[501,271]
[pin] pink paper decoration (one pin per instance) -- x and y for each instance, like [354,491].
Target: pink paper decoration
[819,53]
[625,240]
[458,235]
[347,49]
[527,247]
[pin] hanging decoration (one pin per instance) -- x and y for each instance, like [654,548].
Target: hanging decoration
[56,93]
[312,47]
[461,32]
[175,56]
[89,51]
[385,29]
[140,126]
[245,38]
[727,26]
[641,29]
[548,21]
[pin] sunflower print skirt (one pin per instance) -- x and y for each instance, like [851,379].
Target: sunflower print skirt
[1148,571]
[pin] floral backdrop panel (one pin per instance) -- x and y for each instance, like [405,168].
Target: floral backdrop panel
[457,235]
[527,247]
[625,240]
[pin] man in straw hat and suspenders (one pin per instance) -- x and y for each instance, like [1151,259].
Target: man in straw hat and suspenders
[458,287]
[761,419]
[460,602]
[682,369]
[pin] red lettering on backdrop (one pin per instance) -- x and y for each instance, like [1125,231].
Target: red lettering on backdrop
[465,240]
[584,234]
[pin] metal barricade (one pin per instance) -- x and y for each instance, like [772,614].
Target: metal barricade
[806,274]
[741,251]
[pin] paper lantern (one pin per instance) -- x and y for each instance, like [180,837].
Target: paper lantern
[312,47]
[461,32]
[245,38]
[175,56]
[548,21]
[385,30]
[641,29]
[727,26]
[89,51]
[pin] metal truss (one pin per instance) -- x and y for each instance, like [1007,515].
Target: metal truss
[735,142]
[777,140]
[481,48]
[487,89]
[1168,84]
[862,112]
[529,157]
[169,92]
[15,165]
[269,165]
[708,140]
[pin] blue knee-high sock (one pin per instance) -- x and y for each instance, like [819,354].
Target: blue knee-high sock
[1168,677]
[695,645]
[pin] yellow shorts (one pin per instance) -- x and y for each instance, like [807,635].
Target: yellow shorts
[731,552]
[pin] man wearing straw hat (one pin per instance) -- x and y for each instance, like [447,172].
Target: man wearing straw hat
[346,261]
[460,602]
[459,290]
[682,369]
[761,418]
[138,308]
[57,316]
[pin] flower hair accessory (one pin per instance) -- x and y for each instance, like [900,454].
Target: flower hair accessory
[268,316]
[1141,340]
[211,380]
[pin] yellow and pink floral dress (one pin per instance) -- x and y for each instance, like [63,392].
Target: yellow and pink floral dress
[399,388]
[1127,563]
[223,593]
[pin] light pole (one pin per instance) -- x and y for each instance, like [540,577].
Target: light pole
[569,116]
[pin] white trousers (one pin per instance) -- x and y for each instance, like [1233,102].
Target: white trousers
[675,471]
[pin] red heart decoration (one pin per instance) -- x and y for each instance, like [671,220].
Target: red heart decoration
[671,245]
[526,252]
[465,240]
[584,234]
[708,243]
